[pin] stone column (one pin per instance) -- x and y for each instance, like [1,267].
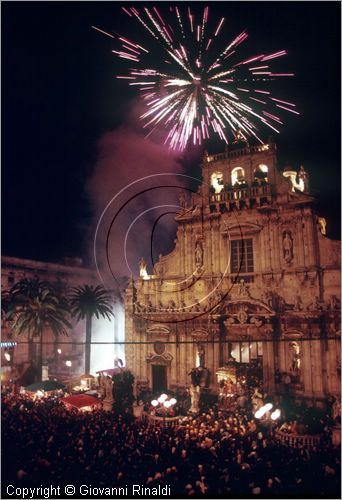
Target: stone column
[307,361]
[217,248]
[299,242]
[316,364]
[144,362]
[277,248]
[171,370]
[268,366]
[269,253]
[262,250]
[305,243]
[333,349]
[215,361]
[310,240]
[182,356]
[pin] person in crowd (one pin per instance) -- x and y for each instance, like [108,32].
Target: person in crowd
[215,453]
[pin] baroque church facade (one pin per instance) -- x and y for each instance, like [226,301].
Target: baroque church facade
[253,276]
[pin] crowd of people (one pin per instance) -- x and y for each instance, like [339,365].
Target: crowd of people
[213,454]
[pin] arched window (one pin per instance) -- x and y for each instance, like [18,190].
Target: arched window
[217,182]
[261,173]
[238,176]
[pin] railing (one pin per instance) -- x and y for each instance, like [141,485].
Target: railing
[165,421]
[241,193]
[296,440]
[240,152]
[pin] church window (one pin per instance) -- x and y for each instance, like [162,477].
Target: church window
[245,354]
[260,173]
[217,181]
[238,176]
[242,256]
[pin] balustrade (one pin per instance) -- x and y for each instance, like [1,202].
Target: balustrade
[240,152]
[295,440]
[165,421]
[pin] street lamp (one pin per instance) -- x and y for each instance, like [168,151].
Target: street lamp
[275,415]
[162,398]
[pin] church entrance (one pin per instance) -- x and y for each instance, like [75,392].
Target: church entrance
[159,379]
[248,356]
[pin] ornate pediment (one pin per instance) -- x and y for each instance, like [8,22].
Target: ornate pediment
[243,313]
[158,329]
[241,228]
[242,307]
[200,333]
[159,359]
[292,334]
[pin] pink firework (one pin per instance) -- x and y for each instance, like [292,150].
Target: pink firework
[191,88]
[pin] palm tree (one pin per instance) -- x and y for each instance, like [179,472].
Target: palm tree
[35,307]
[88,301]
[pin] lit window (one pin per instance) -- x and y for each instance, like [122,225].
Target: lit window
[260,173]
[235,351]
[242,256]
[238,175]
[244,352]
[217,181]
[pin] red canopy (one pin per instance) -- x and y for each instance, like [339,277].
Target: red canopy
[81,400]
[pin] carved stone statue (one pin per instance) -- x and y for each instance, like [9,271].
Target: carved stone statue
[323,225]
[242,290]
[102,389]
[201,355]
[195,397]
[242,314]
[108,399]
[108,386]
[295,357]
[142,268]
[199,254]
[304,176]
[287,247]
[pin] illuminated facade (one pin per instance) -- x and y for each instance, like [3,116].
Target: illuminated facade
[64,356]
[252,276]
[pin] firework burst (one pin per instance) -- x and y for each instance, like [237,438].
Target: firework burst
[192,88]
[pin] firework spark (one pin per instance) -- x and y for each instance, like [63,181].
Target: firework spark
[204,89]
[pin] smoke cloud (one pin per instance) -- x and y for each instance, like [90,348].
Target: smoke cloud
[134,187]
[134,193]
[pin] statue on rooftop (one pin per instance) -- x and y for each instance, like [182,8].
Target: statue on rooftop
[182,199]
[142,267]
[304,177]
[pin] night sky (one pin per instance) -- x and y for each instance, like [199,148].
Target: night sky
[59,96]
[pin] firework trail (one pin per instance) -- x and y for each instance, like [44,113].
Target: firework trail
[192,88]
